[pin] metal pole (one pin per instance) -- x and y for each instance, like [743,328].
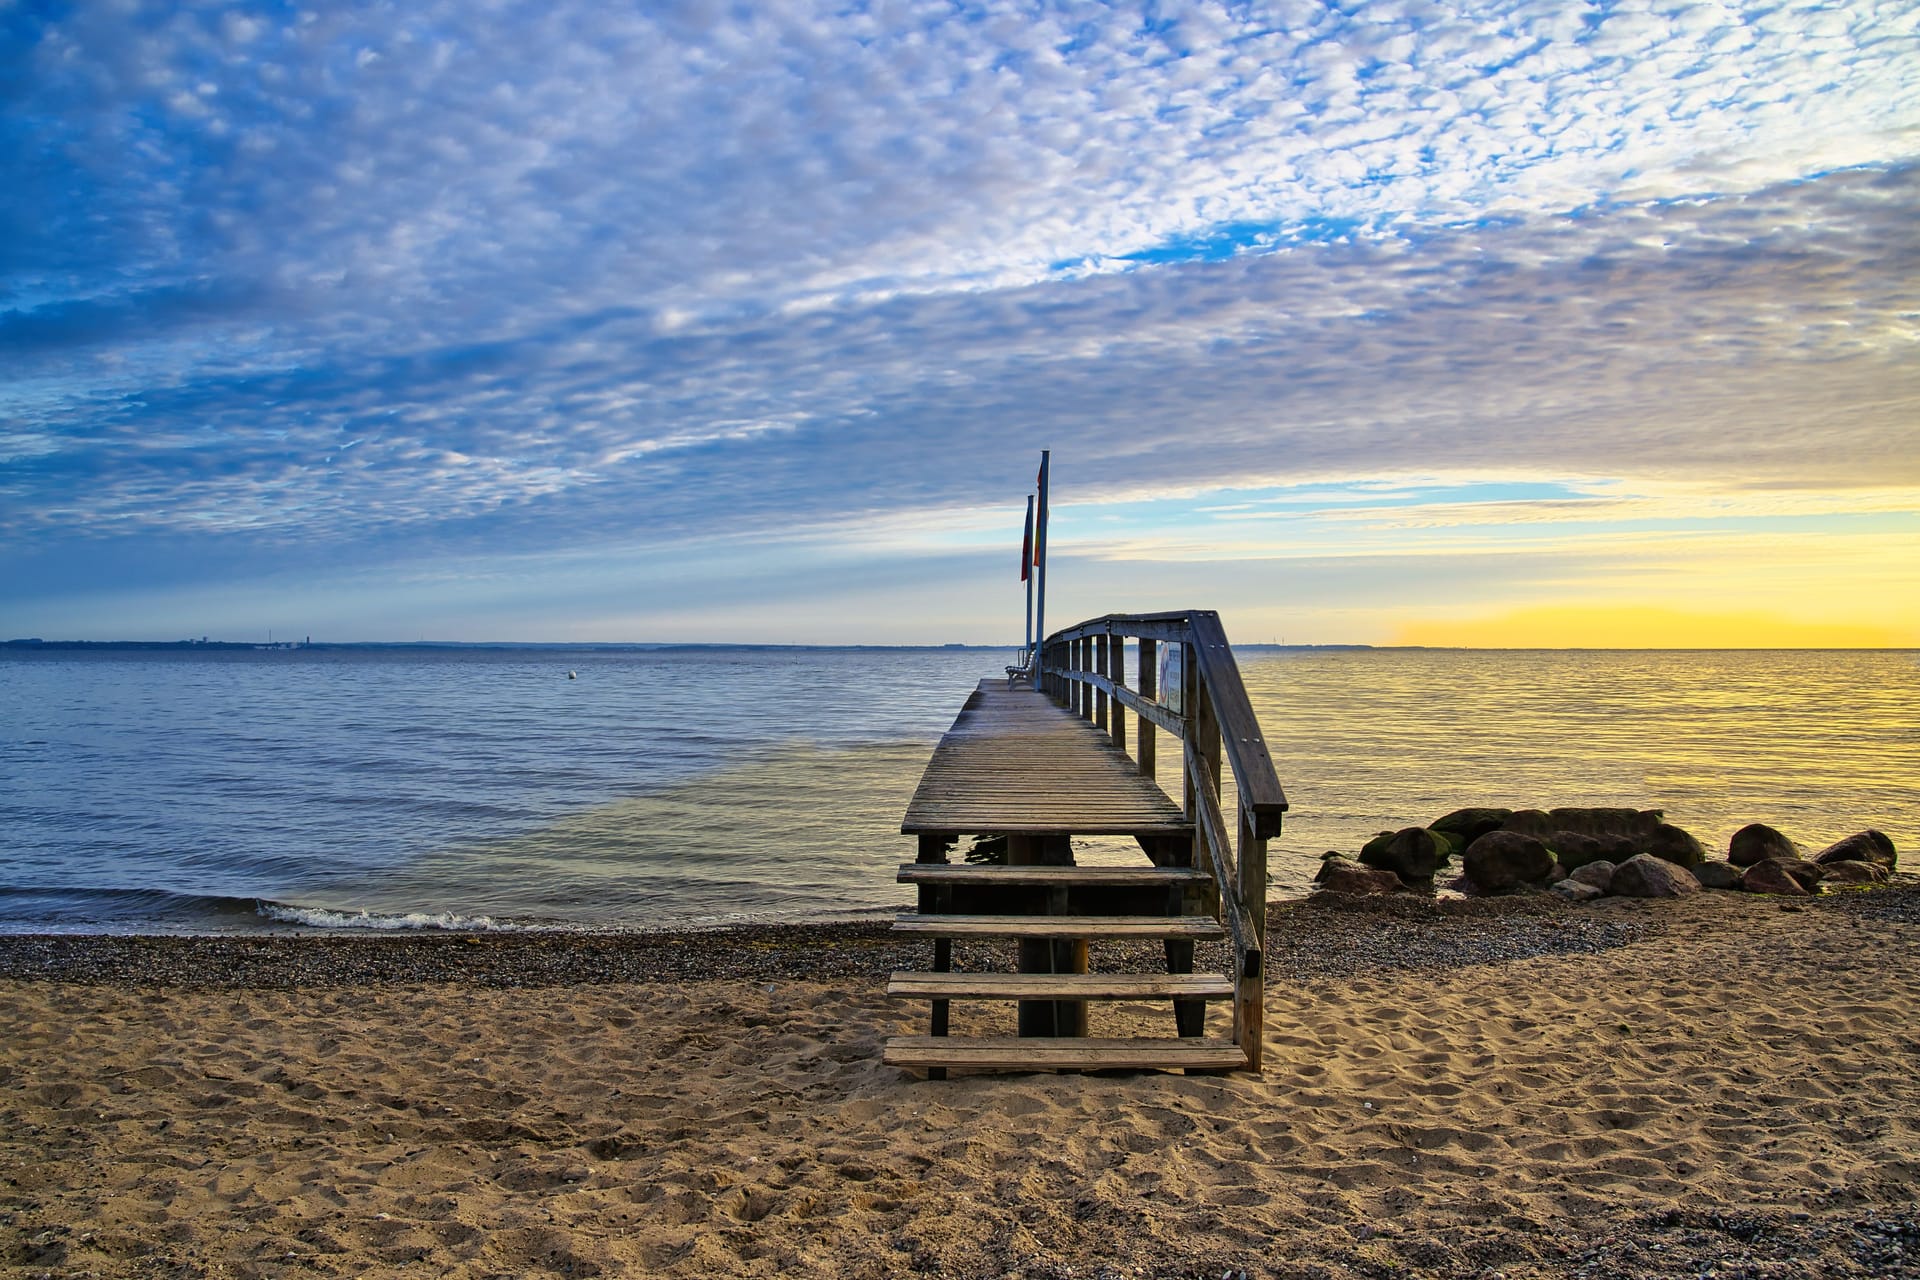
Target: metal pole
[1026,572]
[1040,559]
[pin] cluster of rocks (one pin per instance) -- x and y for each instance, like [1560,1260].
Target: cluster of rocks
[1592,853]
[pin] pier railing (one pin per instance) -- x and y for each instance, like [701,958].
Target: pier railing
[1083,668]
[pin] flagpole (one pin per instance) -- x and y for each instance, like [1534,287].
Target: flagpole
[1026,576]
[1040,563]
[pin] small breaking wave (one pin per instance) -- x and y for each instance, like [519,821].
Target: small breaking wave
[393,922]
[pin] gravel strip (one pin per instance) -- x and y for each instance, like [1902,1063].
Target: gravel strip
[1307,940]
[1304,943]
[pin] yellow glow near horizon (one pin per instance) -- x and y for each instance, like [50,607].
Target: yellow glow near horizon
[1639,627]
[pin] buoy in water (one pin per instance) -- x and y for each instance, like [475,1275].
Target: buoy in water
[570,675]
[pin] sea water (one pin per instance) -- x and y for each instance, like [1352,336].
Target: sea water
[609,789]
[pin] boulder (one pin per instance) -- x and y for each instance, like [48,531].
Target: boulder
[1412,853]
[1775,876]
[1853,873]
[1452,845]
[1578,891]
[1632,823]
[1470,824]
[1339,875]
[1717,875]
[1619,848]
[1529,822]
[1646,876]
[1757,842]
[1861,846]
[1675,845]
[1586,821]
[1503,860]
[1576,850]
[1809,874]
[1598,874]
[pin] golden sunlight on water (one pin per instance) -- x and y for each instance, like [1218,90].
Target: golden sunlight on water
[1611,627]
[1819,744]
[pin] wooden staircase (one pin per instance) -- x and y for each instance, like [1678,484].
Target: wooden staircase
[1070,926]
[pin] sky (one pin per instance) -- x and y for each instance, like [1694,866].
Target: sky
[1396,322]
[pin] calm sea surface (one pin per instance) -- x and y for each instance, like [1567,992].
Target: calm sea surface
[483,788]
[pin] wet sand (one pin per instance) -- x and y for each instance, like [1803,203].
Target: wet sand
[1717,1085]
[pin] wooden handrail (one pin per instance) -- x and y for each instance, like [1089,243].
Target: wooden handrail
[1218,846]
[1080,667]
[1261,797]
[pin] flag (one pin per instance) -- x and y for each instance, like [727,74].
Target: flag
[1042,503]
[1026,545]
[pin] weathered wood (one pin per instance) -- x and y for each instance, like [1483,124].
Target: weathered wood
[1151,712]
[1217,856]
[1005,769]
[1252,763]
[1015,762]
[1099,646]
[1117,677]
[1086,665]
[909,985]
[1149,683]
[971,926]
[1044,954]
[1153,626]
[1070,958]
[1092,877]
[1247,752]
[1250,1000]
[1010,1053]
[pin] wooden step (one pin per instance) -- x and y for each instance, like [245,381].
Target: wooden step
[1063,1053]
[1102,877]
[1199,928]
[1059,986]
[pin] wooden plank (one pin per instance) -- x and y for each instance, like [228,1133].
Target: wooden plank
[907,985]
[1015,762]
[1013,1053]
[1147,709]
[959,926]
[1103,877]
[1153,626]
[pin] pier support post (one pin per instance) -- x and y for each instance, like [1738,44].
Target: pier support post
[1149,687]
[933,848]
[1041,955]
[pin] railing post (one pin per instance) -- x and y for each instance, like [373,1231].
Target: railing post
[1117,672]
[1076,691]
[1149,689]
[1073,686]
[1099,644]
[1250,989]
[1203,731]
[1086,664]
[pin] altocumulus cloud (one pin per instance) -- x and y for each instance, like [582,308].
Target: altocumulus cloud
[357,277]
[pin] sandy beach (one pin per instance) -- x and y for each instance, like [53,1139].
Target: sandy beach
[1719,1085]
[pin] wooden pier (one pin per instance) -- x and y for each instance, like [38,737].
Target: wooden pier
[1037,762]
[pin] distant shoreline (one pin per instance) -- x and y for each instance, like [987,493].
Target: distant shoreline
[548,646]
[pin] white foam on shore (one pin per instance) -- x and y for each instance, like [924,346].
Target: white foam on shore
[319,918]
